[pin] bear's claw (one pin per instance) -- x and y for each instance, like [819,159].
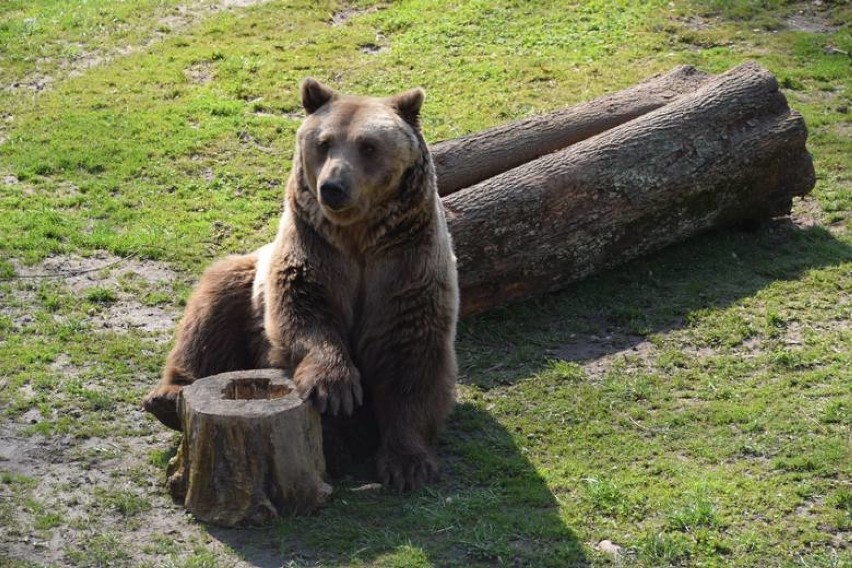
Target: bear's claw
[406,472]
[330,388]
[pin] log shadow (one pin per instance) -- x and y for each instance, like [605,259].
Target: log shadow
[615,312]
[490,508]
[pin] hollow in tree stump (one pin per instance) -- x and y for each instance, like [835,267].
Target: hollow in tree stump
[251,450]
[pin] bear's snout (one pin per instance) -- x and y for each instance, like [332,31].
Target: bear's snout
[335,195]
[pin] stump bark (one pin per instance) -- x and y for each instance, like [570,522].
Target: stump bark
[730,151]
[464,161]
[251,450]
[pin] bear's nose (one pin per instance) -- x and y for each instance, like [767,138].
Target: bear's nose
[334,195]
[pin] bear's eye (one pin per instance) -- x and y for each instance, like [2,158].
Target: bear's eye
[323,146]
[367,148]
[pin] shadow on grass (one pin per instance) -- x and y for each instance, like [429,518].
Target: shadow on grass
[616,311]
[491,508]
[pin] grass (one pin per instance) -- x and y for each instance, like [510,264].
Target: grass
[693,407]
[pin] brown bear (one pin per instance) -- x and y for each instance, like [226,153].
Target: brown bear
[357,296]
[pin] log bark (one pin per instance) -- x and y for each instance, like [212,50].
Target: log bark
[730,151]
[464,161]
[251,450]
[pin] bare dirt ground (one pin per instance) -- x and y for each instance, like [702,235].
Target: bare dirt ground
[81,275]
[110,498]
[76,478]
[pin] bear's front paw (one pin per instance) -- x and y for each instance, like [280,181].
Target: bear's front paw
[406,471]
[162,403]
[330,387]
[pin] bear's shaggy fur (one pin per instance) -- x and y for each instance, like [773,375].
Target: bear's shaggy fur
[357,297]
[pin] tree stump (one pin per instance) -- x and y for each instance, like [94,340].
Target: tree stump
[251,450]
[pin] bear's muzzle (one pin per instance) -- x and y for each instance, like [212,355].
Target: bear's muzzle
[335,195]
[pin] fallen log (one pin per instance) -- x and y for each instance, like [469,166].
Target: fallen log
[251,450]
[730,151]
[464,161]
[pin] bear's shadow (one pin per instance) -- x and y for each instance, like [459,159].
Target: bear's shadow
[492,507]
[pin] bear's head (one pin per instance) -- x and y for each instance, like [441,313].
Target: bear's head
[354,151]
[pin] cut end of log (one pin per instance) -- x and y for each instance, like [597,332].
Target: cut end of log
[251,450]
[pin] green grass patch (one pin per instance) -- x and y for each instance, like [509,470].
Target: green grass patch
[100,296]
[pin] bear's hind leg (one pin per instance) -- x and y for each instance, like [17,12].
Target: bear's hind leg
[410,413]
[220,331]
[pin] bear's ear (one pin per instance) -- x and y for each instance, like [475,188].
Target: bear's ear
[408,105]
[315,95]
